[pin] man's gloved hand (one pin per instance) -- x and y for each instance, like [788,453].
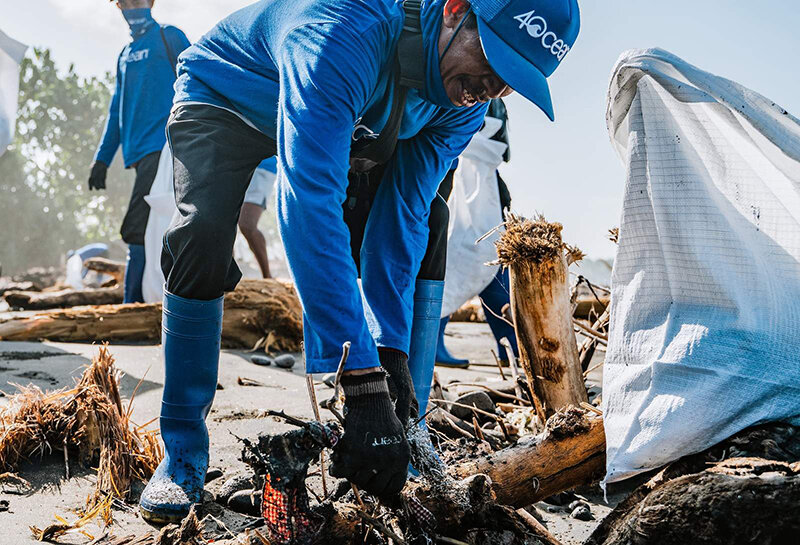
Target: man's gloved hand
[373,453]
[401,386]
[97,177]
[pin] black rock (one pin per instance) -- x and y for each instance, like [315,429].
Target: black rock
[234,485]
[479,400]
[213,473]
[261,360]
[562,498]
[284,361]
[582,512]
[247,502]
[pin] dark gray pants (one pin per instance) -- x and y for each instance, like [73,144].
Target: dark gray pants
[135,221]
[214,156]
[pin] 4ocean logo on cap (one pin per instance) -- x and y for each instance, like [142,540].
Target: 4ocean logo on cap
[536,25]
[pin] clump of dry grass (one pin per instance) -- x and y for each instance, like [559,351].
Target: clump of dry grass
[63,527]
[532,240]
[89,419]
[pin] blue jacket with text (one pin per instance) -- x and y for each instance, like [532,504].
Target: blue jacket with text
[315,75]
[144,90]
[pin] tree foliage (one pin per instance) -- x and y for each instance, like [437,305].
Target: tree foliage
[45,206]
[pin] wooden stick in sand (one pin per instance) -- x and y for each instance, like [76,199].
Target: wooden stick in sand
[537,258]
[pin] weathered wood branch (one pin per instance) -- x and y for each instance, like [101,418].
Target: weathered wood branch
[570,453]
[540,304]
[743,490]
[587,349]
[114,269]
[476,496]
[41,300]
[258,312]
[741,500]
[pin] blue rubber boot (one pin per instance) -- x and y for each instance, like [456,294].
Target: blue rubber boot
[191,341]
[496,296]
[424,337]
[443,356]
[134,272]
[421,360]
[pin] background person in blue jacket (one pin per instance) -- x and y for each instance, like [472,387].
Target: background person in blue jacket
[136,119]
[315,83]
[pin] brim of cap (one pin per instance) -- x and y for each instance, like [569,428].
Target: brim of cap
[516,70]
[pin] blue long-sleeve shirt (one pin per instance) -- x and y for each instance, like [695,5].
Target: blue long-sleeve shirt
[142,99]
[314,74]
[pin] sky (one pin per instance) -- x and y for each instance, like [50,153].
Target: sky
[566,170]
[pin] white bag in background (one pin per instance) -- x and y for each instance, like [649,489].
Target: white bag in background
[474,210]
[162,208]
[74,272]
[11,54]
[705,317]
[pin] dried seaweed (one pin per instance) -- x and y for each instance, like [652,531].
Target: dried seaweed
[62,527]
[89,418]
[532,240]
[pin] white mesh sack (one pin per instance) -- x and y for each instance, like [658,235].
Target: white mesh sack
[705,307]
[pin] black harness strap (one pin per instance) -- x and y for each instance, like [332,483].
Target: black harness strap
[410,51]
[409,72]
[173,60]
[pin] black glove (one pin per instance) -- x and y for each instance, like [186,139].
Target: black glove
[373,453]
[97,177]
[401,387]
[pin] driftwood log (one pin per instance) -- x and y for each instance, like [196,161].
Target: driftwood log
[7,286]
[570,453]
[481,495]
[744,490]
[115,269]
[67,298]
[264,313]
[471,311]
[36,279]
[110,294]
[540,305]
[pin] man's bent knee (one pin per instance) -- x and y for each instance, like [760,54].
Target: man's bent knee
[196,257]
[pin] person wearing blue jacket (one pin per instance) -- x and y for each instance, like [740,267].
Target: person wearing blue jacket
[137,119]
[366,104]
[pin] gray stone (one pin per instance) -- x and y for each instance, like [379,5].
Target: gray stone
[479,400]
[284,361]
[234,485]
[577,503]
[582,512]
[247,502]
[213,473]
[259,359]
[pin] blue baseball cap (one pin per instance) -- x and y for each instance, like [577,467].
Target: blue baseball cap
[525,41]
